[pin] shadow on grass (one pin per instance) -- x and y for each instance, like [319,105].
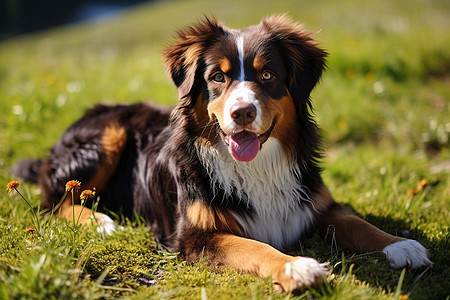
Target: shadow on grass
[432,283]
[373,268]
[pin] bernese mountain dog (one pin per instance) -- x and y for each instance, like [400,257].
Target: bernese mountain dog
[231,173]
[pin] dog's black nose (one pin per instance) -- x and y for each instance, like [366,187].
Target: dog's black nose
[243,113]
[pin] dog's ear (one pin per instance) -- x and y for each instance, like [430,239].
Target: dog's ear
[304,60]
[184,59]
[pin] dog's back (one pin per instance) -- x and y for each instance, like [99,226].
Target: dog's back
[103,150]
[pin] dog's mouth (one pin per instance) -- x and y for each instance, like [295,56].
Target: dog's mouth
[245,145]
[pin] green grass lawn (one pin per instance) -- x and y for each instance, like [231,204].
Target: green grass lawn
[383,106]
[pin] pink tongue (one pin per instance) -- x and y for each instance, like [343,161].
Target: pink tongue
[244,146]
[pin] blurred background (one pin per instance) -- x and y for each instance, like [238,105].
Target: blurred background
[387,79]
[24,16]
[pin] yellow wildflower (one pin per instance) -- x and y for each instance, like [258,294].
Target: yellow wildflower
[412,192]
[30,229]
[11,186]
[86,194]
[72,184]
[422,184]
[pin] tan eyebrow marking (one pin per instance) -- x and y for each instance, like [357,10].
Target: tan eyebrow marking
[225,65]
[259,62]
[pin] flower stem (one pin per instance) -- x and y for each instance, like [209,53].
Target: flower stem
[73,217]
[32,210]
[79,216]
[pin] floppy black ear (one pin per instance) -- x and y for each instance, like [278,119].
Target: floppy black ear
[184,59]
[304,60]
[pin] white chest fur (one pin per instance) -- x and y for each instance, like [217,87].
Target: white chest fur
[270,185]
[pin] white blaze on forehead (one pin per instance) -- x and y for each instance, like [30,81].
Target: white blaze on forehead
[242,94]
[240,47]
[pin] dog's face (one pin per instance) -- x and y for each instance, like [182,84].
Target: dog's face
[246,85]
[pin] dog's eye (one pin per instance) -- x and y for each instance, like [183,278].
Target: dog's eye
[219,77]
[267,75]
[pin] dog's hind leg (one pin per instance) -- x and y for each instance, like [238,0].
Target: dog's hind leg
[89,155]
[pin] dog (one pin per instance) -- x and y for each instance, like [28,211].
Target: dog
[232,172]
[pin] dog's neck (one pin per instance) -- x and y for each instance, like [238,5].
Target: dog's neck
[270,183]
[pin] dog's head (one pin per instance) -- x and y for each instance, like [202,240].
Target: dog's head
[244,86]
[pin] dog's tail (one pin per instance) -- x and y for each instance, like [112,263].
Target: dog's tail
[27,169]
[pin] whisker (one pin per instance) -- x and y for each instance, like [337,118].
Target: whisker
[211,127]
[204,128]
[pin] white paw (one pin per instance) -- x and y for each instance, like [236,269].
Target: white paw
[408,253]
[305,271]
[105,225]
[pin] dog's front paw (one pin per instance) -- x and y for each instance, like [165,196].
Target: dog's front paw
[407,253]
[105,225]
[301,273]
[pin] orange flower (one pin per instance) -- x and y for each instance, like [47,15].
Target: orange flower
[412,192]
[11,186]
[86,194]
[423,183]
[30,229]
[72,184]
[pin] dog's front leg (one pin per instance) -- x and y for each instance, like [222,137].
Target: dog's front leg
[80,215]
[350,231]
[288,273]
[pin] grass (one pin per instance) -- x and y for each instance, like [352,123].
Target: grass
[383,106]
